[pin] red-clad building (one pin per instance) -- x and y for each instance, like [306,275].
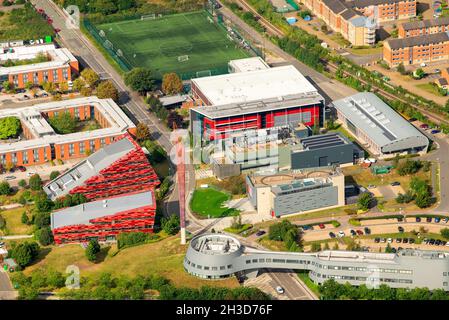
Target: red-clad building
[119,182]
[267,98]
[105,219]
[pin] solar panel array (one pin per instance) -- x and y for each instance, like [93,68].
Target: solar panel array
[324,141]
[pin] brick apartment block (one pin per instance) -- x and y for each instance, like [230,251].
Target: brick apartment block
[419,28]
[60,67]
[415,50]
[40,143]
[357,20]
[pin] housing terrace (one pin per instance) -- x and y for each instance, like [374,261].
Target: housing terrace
[425,23]
[423,40]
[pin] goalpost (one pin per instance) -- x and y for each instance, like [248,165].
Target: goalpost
[183,58]
[148,17]
[108,44]
[102,33]
[204,73]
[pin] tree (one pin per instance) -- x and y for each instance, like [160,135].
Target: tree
[107,90]
[142,132]
[2,222]
[10,127]
[90,76]
[419,73]
[171,225]
[5,188]
[388,249]
[445,233]
[364,201]
[44,236]
[63,86]
[171,84]
[54,174]
[92,249]
[22,183]
[8,86]
[24,219]
[78,84]
[63,123]
[140,80]
[174,120]
[401,69]
[24,253]
[43,204]
[36,182]
[50,87]
[86,91]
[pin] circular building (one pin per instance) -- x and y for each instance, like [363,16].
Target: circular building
[211,256]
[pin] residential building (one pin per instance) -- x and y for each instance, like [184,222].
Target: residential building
[59,67]
[378,127]
[443,82]
[423,27]
[119,168]
[39,143]
[416,50]
[105,219]
[266,98]
[215,256]
[292,192]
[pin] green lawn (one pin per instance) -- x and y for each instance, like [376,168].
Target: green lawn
[304,276]
[158,43]
[14,225]
[209,202]
[431,88]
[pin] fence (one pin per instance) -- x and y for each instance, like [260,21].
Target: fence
[124,65]
[293,4]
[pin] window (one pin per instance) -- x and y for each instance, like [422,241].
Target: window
[62,151]
[248,261]
[14,157]
[82,147]
[36,155]
[77,113]
[229,266]
[55,75]
[71,149]
[24,157]
[15,80]
[65,74]
[222,267]
[102,142]
[35,78]
[92,145]
[45,75]
[25,78]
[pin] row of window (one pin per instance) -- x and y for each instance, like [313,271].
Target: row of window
[35,78]
[25,159]
[354,278]
[214,268]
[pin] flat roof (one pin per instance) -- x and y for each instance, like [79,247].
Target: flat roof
[87,168]
[58,57]
[377,119]
[323,141]
[418,41]
[43,133]
[249,64]
[83,213]
[256,85]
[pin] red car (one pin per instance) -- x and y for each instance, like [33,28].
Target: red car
[57,30]
[321,226]
[21,168]
[50,20]
[424,126]
[40,10]
[359,232]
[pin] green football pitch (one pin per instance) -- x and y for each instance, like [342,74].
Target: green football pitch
[158,43]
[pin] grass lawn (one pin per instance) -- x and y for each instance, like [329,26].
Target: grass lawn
[209,202]
[158,43]
[272,245]
[338,38]
[431,88]
[304,276]
[14,225]
[365,177]
[163,258]
[365,51]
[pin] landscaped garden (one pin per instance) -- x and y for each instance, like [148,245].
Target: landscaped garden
[209,202]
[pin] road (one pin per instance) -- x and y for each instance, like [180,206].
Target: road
[294,288]
[7,292]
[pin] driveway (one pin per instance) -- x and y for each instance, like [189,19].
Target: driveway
[7,292]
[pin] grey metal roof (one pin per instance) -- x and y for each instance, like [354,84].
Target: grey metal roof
[87,168]
[425,23]
[378,120]
[418,41]
[368,3]
[359,21]
[85,212]
[336,6]
[323,141]
[349,13]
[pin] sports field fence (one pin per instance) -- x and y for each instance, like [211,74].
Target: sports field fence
[117,56]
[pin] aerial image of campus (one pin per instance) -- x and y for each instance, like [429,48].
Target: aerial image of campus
[224,150]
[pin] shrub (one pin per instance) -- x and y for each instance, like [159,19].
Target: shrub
[5,188]
[92,249]
[25,253]
[131,238]
[35,182]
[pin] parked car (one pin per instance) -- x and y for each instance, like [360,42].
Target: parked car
[437,70]
[376,240]
[400,229]
[412,120]
[411,240]
[429,219]
[383,240]
[10,178]
[435,131]
[405,240]
[22,168]
[280,290]
[393,250]
[438,242]
[424,126]
[400,219]
[371,186]
[305,228]
[321,226]
[341,234]
[331,235]
[31,173]
[426,241]
[446,220]
[395,183]
[389,240]
[2,244]
[432,241]
[437,220]
[367,230]
[398,240]
[359,232]
[418,219]
[353,233]
[260,233]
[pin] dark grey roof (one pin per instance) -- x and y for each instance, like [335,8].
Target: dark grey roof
[87,168]
[367,3]
[336,6]
[426,23]
[442,82]
[349,13]
[418,41]
[323,141]
[85,212]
